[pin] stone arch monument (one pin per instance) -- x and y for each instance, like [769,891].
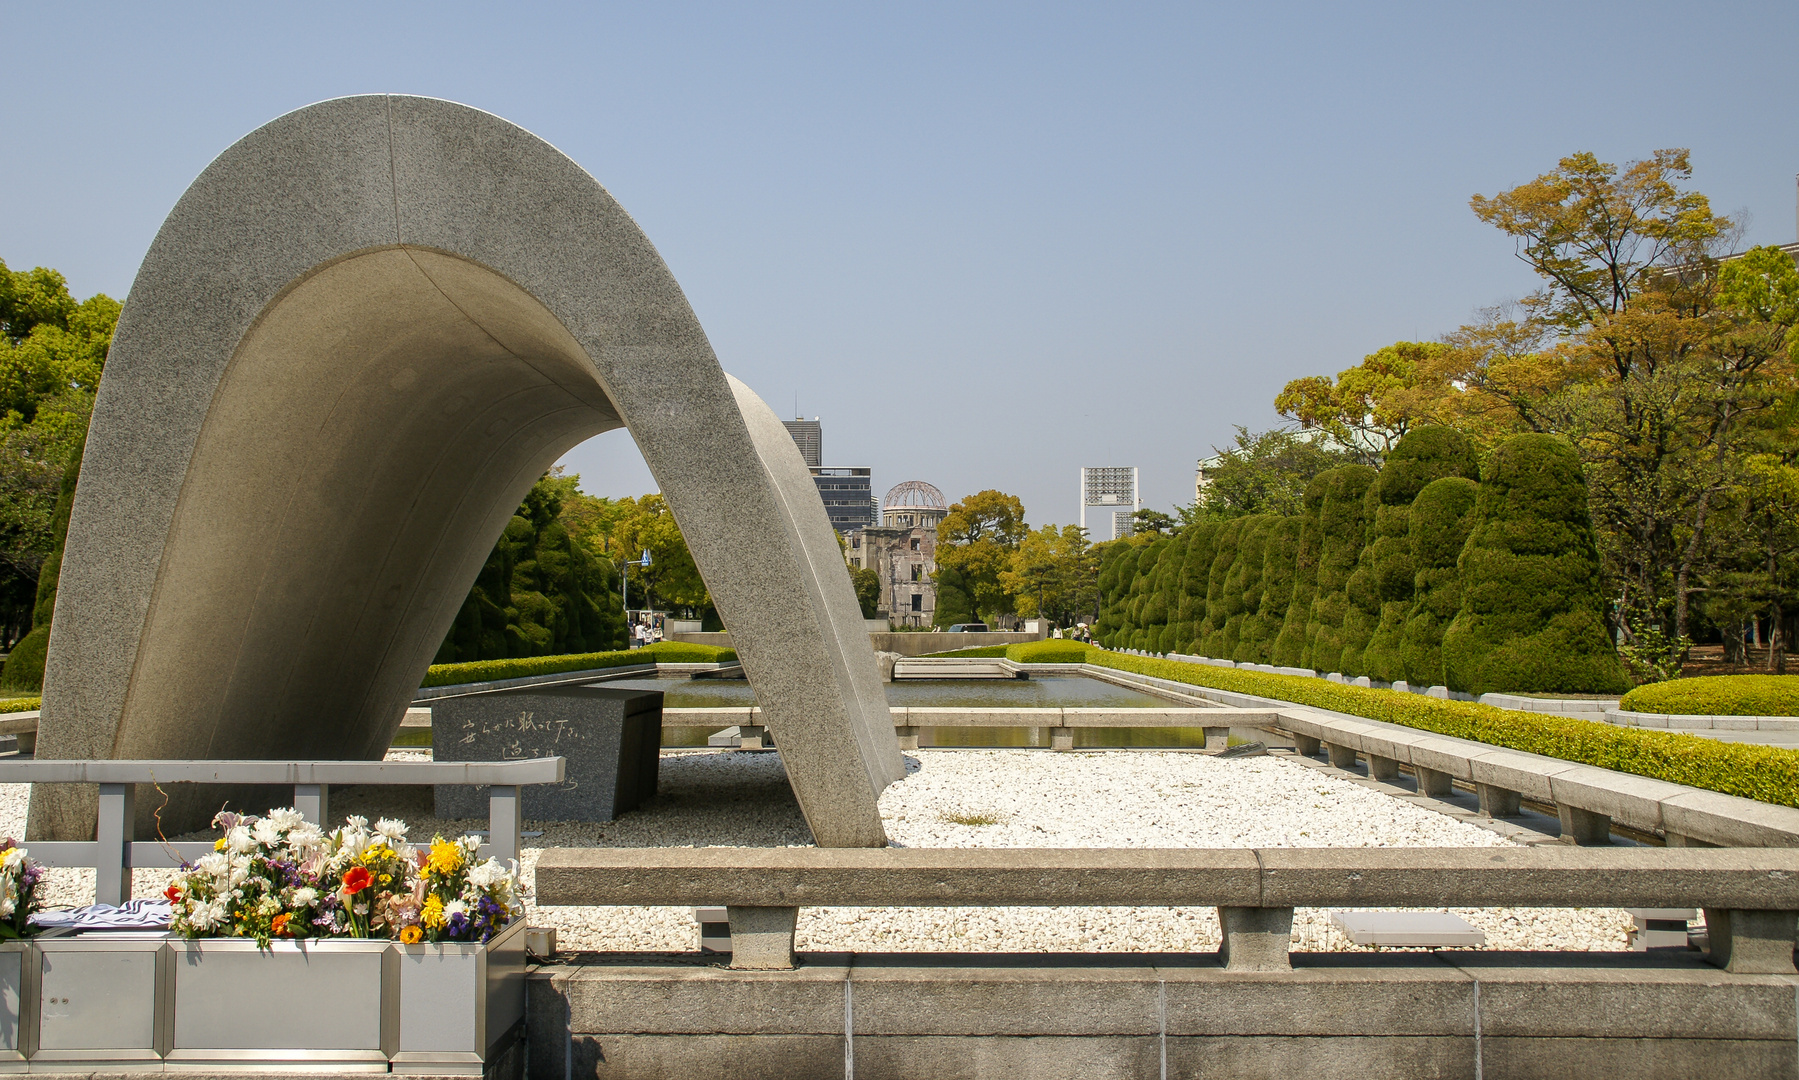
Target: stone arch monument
[356,342]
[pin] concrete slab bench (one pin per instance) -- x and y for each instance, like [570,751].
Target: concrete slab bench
[1749,894]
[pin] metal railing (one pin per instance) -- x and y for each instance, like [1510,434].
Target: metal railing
[113,854]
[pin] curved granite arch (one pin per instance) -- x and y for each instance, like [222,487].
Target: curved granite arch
[355,343]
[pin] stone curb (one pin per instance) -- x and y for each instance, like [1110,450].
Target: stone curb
[1691,722]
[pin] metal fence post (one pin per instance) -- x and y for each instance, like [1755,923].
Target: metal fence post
[313,802]
[112,861]
[502,821]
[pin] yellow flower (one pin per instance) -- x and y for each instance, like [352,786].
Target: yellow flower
[433,914]
[376,853]
[385,878]
[219,844]
[411,935]
[445,858]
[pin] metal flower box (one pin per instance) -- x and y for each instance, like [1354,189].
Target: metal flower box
[133,1001]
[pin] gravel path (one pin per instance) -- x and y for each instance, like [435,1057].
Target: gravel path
[983,798]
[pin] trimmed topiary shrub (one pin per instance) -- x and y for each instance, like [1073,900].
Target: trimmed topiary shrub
[1767,773]
[1384,595]
[1244,583]
[1196,570]
[1718,695]
[1166,586]
[1438,527]
[1220,605]
[1531,618]
[1048,651]
[1262,629]
[1117,567]
[1343,531]
[1290,648]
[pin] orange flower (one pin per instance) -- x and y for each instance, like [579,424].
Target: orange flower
[280,924]
[411,935]
[356,879]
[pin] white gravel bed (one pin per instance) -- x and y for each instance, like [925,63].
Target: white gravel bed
[980,798]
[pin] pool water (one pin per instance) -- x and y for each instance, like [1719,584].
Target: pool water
[1065,691]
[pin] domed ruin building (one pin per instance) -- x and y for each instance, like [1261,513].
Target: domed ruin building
[902,548]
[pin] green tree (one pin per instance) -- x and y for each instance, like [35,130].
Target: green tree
[1661,389]
[1532,615]
[1371,406]
[867,584]
[1052,574]
[52,352]
[540,592]
[975,542]
[1264,473]
[671,580]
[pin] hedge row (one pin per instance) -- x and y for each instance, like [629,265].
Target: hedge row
[1718,695]
[664,652]
[1048,651]
[20,704]
[1765,773]
[1415,572]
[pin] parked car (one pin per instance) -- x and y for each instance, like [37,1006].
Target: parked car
[969,628]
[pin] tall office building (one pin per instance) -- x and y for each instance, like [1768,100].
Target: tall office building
[1111,486]
[809,436]
[848,499]
[846,492]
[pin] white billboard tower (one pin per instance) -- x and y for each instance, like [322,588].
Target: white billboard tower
[1115,488]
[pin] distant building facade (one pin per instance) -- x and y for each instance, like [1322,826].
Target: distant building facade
[848,498]
[1115,488]
[902,549]
[809,436]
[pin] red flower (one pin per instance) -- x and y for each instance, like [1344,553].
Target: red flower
[356,879]
[173,892]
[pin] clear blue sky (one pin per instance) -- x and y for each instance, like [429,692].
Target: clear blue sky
[986,243]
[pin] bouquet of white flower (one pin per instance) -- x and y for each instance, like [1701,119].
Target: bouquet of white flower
[280,876]
[19,877]
[260,881]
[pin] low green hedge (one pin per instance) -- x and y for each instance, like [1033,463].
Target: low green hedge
[20,704]
[1766,773]
[1049,651]
[663,652]
[995,651]
[1718,695]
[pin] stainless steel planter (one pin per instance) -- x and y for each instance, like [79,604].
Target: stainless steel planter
[17,974]
[461,1006]
[317,1003]
[131,1001]
[93,1000]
